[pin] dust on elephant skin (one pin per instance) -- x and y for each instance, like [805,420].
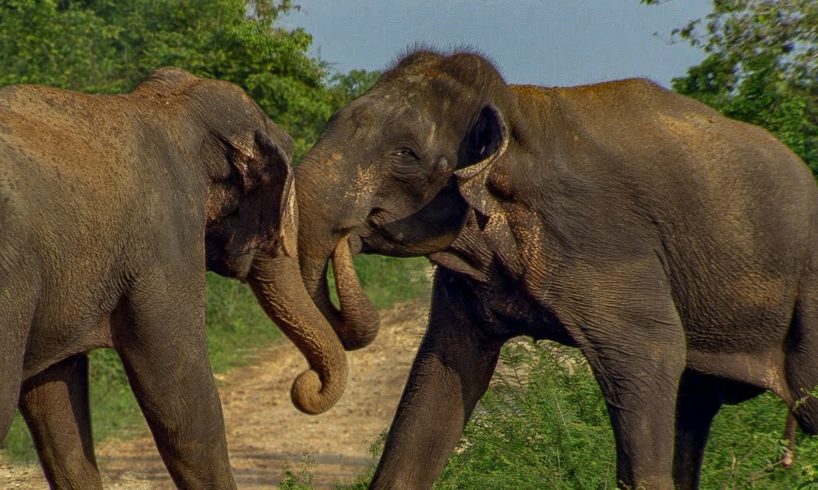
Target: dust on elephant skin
[111,209]
[677,248]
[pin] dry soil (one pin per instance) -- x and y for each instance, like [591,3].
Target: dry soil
[266,435]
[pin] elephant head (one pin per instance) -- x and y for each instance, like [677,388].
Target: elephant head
[397,170]
[252,220]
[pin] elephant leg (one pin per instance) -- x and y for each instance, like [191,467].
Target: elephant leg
[11,373]
[450,373]
[15,321]
[160,337]
[802,355]
[638,359]
[55,406]
[697,404]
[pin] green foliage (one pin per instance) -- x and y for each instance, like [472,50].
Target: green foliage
[761,67]
[388,280]
[106,46]
[43,43]
[349,86]
[18,445]
[300,480]
[743,30]
[746,445]
[543,424]
[236,324]
[236,329]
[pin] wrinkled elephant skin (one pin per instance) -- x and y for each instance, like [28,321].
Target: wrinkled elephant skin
[111,209]
[676,248]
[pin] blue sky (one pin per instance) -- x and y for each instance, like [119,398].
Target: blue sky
[545,42]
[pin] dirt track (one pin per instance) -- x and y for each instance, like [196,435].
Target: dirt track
[266,435]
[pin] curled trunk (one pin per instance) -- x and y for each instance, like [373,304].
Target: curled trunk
[357,322]
[276,282]
[322,237]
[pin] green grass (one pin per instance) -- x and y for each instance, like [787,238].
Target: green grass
[236,329]
[544,426]
[746,445]
[388,280]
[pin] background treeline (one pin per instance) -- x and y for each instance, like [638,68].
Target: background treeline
[108,46]
[761,66]
[543,423]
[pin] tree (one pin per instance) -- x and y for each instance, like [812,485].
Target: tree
[762,67]
[41,43]
[107,46]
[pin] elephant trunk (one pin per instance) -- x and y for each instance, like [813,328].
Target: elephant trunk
[357,322]
[276,282]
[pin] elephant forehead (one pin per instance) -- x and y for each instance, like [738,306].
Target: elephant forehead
[408,120]
[430,133]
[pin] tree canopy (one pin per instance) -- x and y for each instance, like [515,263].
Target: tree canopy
[761,67]
[108,46]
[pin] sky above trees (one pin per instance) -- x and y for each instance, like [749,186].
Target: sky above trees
[545,42]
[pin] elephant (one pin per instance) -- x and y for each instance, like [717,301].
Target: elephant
[112,208]
[675,247]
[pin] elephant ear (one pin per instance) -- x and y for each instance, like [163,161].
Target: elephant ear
[485,141]
[268,206]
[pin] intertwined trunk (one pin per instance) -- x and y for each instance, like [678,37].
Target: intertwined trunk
[276,281]
[321,240]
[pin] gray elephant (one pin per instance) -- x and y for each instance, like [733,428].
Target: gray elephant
[676,248]
[111,210]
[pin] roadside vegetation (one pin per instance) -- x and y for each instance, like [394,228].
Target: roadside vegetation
[237,329]
[104,46]
[543,422]
[544,425]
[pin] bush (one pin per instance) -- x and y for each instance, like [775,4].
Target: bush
[543,424]
[746,445]
[236,329]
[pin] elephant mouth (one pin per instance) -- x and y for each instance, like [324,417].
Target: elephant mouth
[376,236]
[237,267]
[373,229]
[396,237]
[379,218]
[366,236]
[429,229]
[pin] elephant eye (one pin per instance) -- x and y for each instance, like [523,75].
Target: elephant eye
[407,153]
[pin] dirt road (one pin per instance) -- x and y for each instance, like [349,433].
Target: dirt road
[266,435]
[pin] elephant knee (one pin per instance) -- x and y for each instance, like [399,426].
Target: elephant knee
[806,413]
